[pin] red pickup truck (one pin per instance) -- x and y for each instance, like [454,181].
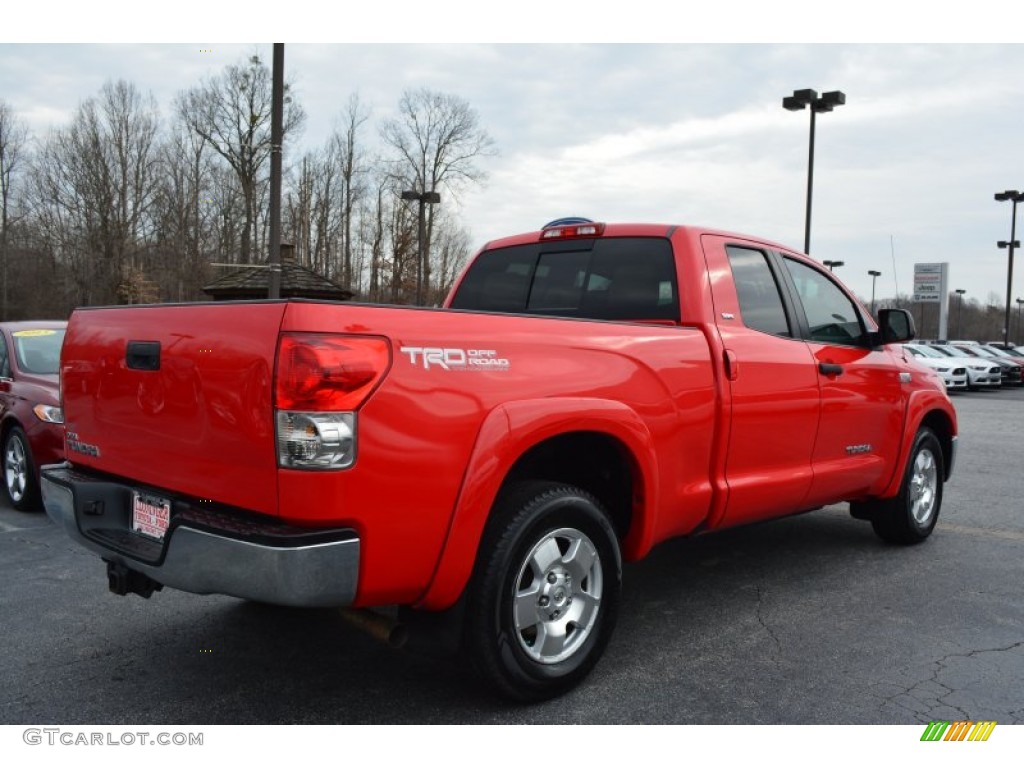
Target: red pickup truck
[588,391]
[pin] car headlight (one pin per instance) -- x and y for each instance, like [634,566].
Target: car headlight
[53,414]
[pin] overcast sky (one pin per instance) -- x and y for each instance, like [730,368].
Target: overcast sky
[685,132]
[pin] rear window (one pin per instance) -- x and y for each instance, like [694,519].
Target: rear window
[625,278]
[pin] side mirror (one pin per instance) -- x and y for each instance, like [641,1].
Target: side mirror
[897,326]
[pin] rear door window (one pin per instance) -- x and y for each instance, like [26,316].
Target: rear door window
[758,292]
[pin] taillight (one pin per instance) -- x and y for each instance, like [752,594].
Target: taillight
[322,379]
[328,372]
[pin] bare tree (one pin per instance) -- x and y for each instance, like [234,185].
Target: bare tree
[298,207]
[232,113]
[438,139]
[13,137]
[353,172]
[450,256]
[375,233]
[116,214]
[184,212]
[95,182]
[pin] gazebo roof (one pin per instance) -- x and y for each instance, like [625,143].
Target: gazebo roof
[253,281]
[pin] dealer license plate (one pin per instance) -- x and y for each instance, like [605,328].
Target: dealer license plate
[150,515]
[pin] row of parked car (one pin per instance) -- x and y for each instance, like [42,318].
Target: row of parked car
[971,365]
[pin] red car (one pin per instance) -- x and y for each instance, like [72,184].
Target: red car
[31,421]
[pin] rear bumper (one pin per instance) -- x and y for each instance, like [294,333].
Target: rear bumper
[207,551]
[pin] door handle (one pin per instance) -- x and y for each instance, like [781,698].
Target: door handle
[732,365]
[143,355]
[830,369]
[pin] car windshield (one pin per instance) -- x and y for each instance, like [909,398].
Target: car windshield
[980,351]
[999,352]
[923,351]
[972,351]
[38,349]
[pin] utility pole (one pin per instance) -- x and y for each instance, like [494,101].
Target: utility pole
[276,137]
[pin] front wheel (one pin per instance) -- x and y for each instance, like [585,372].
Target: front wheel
[910,517]
[545,591]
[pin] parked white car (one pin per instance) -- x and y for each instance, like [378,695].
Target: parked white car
[981,373]
[953,372]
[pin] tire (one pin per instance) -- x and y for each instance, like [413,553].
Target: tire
[910,517]
[20,483]
[544,594]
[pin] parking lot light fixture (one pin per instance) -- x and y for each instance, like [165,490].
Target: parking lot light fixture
[875,274]
[959,312]
[832,264]
[424,199]
[808,97]
[1014,197]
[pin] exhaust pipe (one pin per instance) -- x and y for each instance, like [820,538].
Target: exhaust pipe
[377,626]
[434,634]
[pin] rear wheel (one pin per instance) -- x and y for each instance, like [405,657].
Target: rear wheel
[910,517]
[19,472]
[545,591]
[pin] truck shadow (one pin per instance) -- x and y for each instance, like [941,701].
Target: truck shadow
[743,598]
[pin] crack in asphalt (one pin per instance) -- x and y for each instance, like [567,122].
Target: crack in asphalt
[763,623]
[925,698]
[63,544]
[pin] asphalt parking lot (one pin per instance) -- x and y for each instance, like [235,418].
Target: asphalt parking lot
[806,620]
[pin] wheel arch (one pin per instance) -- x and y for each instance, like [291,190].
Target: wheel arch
[934,411]
[945,430]
[9,422]
[594,461]
[603,447]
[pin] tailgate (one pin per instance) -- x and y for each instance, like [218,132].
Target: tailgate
[176,397]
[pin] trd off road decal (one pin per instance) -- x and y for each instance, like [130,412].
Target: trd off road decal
[449,359]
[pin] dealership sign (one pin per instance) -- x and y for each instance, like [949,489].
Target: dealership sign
[931,282]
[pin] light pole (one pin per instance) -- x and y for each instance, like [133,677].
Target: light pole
[875,274]
[1015,197]
[276,140]
[423,198]
[1019,302]
[824,103]
[960,312]
[832,264]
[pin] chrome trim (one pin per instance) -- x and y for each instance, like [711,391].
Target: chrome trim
[318,575]
[953,447]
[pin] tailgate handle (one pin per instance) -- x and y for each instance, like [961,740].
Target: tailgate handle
[143,355]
